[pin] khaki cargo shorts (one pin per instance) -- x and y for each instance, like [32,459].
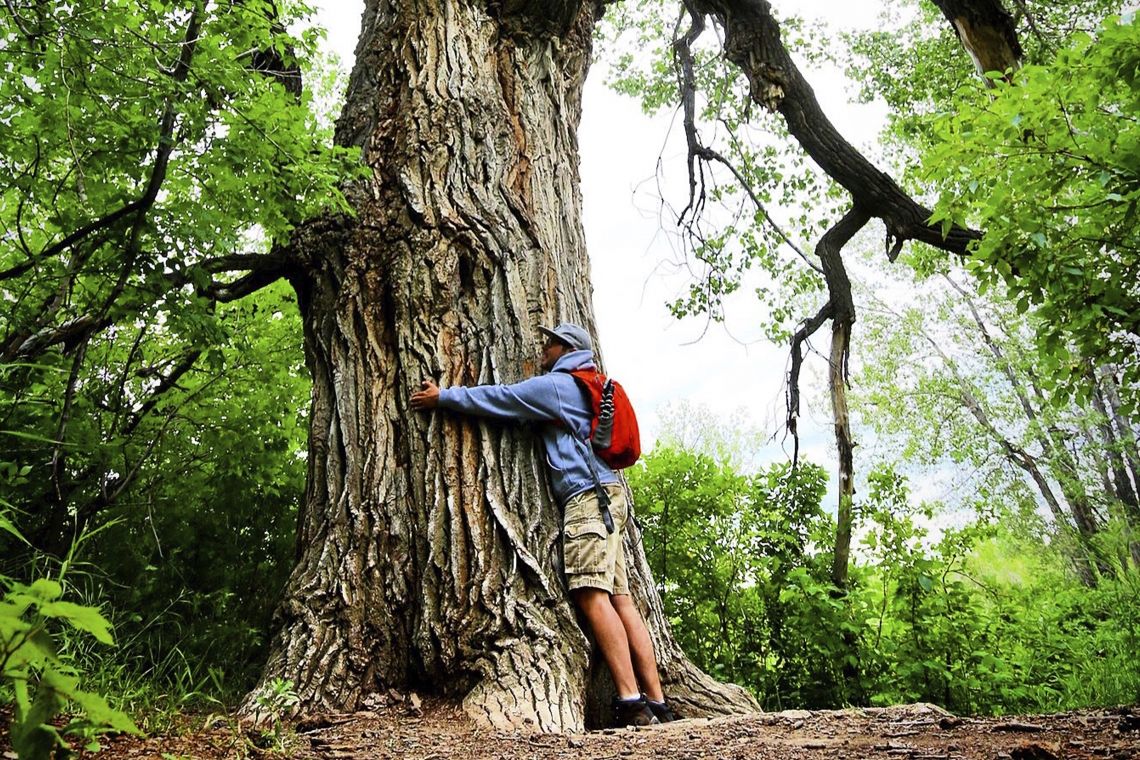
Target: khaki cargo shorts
[592,557]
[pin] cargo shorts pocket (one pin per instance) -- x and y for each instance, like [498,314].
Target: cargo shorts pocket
[584,547]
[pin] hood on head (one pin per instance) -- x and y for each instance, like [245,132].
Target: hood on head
[573,360]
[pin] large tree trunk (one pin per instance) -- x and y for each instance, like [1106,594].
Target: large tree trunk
[428,550]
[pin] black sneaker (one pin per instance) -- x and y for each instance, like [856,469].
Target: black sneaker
[661,710]
[633,712]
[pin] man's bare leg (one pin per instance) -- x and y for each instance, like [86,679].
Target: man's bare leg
[640,647]
[610,633]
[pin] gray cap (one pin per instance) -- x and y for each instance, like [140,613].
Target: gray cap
[572,335]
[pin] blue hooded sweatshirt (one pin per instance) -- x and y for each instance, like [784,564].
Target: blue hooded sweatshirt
[549,397]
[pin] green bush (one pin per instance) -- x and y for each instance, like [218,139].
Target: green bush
[35,621]
[979,621]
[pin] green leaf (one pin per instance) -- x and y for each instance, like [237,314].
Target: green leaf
[81,617]
[45,589]
[9,527]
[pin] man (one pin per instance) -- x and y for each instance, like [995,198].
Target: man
[594,560]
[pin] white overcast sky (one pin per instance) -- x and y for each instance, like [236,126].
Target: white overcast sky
[731,370]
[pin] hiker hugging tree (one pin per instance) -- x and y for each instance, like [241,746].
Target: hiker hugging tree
[428,547]
[581,443]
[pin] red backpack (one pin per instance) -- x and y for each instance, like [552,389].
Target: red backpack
[613,426]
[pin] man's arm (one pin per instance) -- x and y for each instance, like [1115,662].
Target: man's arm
[533,399]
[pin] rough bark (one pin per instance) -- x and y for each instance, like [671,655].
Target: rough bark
[428,549]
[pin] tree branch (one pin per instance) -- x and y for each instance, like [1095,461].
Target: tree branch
[807,328]
[753,43]
[986,30]
[71,331]
[265,269]
[697,152]
[1023,9]
[59,457]
[165,384]
[18,20]
[682,51]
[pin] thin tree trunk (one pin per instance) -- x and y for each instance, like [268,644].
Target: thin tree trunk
[829,251]
[1127,441]
[1121,485]
[1092,445]
[845,444]
[1125,434]
[1077,544]
[428,547]
[1061,462]
[1122,489]
[840,309]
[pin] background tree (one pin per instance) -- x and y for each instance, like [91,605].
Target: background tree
[1034,162]
[1039,349]
[957,381]
[155,153]
[752,43]
[129,193]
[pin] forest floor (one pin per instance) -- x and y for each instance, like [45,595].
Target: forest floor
[410,730]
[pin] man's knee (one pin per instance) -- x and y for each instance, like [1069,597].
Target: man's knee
[624,605]
[623,600]
[588,597]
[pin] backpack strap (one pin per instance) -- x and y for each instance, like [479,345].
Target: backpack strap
[599,489]
[588,453]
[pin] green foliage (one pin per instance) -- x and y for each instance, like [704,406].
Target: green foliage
[930,636]
[688,507]
[33,618]
[979,620]
[141,143]
[155,150]
[750,227]
[277,703]
[745,590]
[157,153]
[644,26]
[1046,166]
[207,552]
[914,63]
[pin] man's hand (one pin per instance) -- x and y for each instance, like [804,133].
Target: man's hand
[427,397]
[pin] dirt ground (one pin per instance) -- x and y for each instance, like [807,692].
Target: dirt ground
[406,729]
